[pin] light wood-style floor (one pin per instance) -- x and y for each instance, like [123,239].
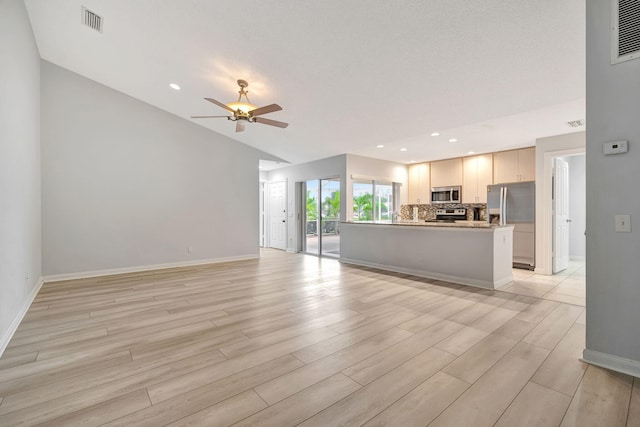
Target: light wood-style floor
[566,286]
[292,339]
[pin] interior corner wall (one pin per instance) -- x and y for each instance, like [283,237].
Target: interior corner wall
[127,186]
[20,188]
[331,167]
[613,287]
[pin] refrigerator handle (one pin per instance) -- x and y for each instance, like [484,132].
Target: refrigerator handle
[501,213]
[503,207]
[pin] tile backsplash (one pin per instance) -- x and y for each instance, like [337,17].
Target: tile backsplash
[428,212]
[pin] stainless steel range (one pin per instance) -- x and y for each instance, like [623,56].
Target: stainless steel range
[450,215]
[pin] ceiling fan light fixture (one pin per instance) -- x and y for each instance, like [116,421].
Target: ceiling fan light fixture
[245,107]
[245,112]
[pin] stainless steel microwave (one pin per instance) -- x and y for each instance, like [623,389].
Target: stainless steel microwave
[446,194]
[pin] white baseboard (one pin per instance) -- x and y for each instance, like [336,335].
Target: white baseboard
[138,269]
[8,334]
[609,361]
[540,270]
[429,275]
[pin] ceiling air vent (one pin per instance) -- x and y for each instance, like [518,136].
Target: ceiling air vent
[92,20]
[576,123]
[625,30]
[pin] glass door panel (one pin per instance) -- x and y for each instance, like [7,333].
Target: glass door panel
[312,237]
[383,202]
[330,217]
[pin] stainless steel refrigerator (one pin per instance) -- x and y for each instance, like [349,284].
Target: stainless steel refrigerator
[516,204]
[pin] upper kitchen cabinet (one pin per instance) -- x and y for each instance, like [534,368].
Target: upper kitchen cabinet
[445,173]
[514,166]
[419,184]
[477,174]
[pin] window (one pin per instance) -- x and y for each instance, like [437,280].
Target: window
[362,200]
[383,202]
[374,200]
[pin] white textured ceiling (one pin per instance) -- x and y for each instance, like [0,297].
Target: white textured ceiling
[349,74]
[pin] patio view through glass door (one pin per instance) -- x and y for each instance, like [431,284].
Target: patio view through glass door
[322,211]
[330,217]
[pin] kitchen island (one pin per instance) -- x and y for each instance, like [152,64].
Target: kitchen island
[466,252]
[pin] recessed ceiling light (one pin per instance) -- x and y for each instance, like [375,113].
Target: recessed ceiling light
[379,146]
[403,149]
[453,140]
[435,134]
[174,86]
[471,152]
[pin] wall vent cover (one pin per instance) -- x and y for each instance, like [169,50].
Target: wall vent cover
[92,20]
[576,123]
[625,30]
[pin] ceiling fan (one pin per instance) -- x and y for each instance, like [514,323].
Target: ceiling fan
[246,112]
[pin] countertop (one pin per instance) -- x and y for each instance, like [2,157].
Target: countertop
[457,224]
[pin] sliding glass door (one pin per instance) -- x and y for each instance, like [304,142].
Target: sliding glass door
[330,217]
[312,219]
[322,217]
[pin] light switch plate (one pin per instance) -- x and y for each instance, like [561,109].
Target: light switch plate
[623,223]
[615,147]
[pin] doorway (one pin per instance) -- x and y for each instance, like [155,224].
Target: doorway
[568,211]
[278,215]
[321,207]
[262,215]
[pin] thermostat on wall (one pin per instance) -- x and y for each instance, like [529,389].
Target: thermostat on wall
[615,147]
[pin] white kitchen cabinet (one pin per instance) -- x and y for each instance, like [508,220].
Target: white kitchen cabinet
[514,165]
[477,174]
[419,184]
[445,173]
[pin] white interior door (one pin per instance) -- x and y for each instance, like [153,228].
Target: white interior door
[561,220]
[261,215]
[278,215]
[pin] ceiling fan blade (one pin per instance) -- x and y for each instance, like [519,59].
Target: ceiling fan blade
[271,122]
[239,126]
[266,109]
[208,117]
[219,104]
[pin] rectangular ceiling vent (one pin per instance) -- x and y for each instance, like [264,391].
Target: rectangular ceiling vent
[576,123]
[625,30]
[92,20]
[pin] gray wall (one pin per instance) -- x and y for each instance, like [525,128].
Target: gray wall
[20,235]
[613,270]
[126,185]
